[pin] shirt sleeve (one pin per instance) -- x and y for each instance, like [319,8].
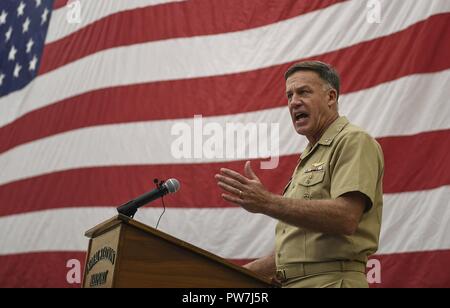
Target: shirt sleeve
[357,166]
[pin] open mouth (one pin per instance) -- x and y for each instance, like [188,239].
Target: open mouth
[300,116]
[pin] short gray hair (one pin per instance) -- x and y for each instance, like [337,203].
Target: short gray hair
[325,71]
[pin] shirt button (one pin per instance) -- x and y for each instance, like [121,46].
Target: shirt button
[279,255]
[284,231]
[310,177]
[308,181]
[306,196]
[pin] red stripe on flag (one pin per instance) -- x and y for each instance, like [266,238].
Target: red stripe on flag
[414,158]
[426,269]
[59,4]
[62,189]
[48,269]
[161,100]
[192,18]
[38,270]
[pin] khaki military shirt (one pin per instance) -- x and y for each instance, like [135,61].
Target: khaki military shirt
[345,159]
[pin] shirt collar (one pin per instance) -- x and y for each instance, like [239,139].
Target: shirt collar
[327,138]
[333,130]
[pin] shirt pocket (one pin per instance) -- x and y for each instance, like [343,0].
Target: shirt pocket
[312,178]
[312,184]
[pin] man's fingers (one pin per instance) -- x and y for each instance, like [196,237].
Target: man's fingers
[232,199]
[234,175]
[229,181]
[230,189]
[249,171]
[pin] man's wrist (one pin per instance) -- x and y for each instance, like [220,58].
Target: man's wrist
[274,205]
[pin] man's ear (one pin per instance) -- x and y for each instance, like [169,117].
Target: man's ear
[332,98]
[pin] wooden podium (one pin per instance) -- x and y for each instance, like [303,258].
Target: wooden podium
[125,253]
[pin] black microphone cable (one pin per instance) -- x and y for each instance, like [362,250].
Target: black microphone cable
[164,210]
[158,185]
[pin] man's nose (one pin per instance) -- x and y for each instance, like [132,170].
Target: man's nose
[295,101]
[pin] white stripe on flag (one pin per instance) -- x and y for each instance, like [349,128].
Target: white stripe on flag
[216,54]
[225,231]
[416,221]
[90,12]
[415,97]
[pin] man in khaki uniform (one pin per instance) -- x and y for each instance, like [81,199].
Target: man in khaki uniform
[330,212]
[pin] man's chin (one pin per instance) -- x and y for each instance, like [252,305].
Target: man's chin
[301,130]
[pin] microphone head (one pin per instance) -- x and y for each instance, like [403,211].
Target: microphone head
[172,185]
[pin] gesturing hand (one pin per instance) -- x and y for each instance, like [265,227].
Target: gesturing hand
[246,191]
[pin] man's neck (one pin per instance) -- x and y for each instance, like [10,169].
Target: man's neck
[313,140]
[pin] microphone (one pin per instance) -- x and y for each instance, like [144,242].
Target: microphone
[130,208]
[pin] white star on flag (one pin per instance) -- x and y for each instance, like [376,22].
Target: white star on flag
[17,69]
[26,25]
[38,3]
[8,34]
[12,53]
[32,65]
[20,9]
[2,76]
[3,18]
[30,45]
[44,16]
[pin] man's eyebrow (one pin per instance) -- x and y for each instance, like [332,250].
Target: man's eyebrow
[304,87]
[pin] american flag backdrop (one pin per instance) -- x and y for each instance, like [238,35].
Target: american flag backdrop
[90,91]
